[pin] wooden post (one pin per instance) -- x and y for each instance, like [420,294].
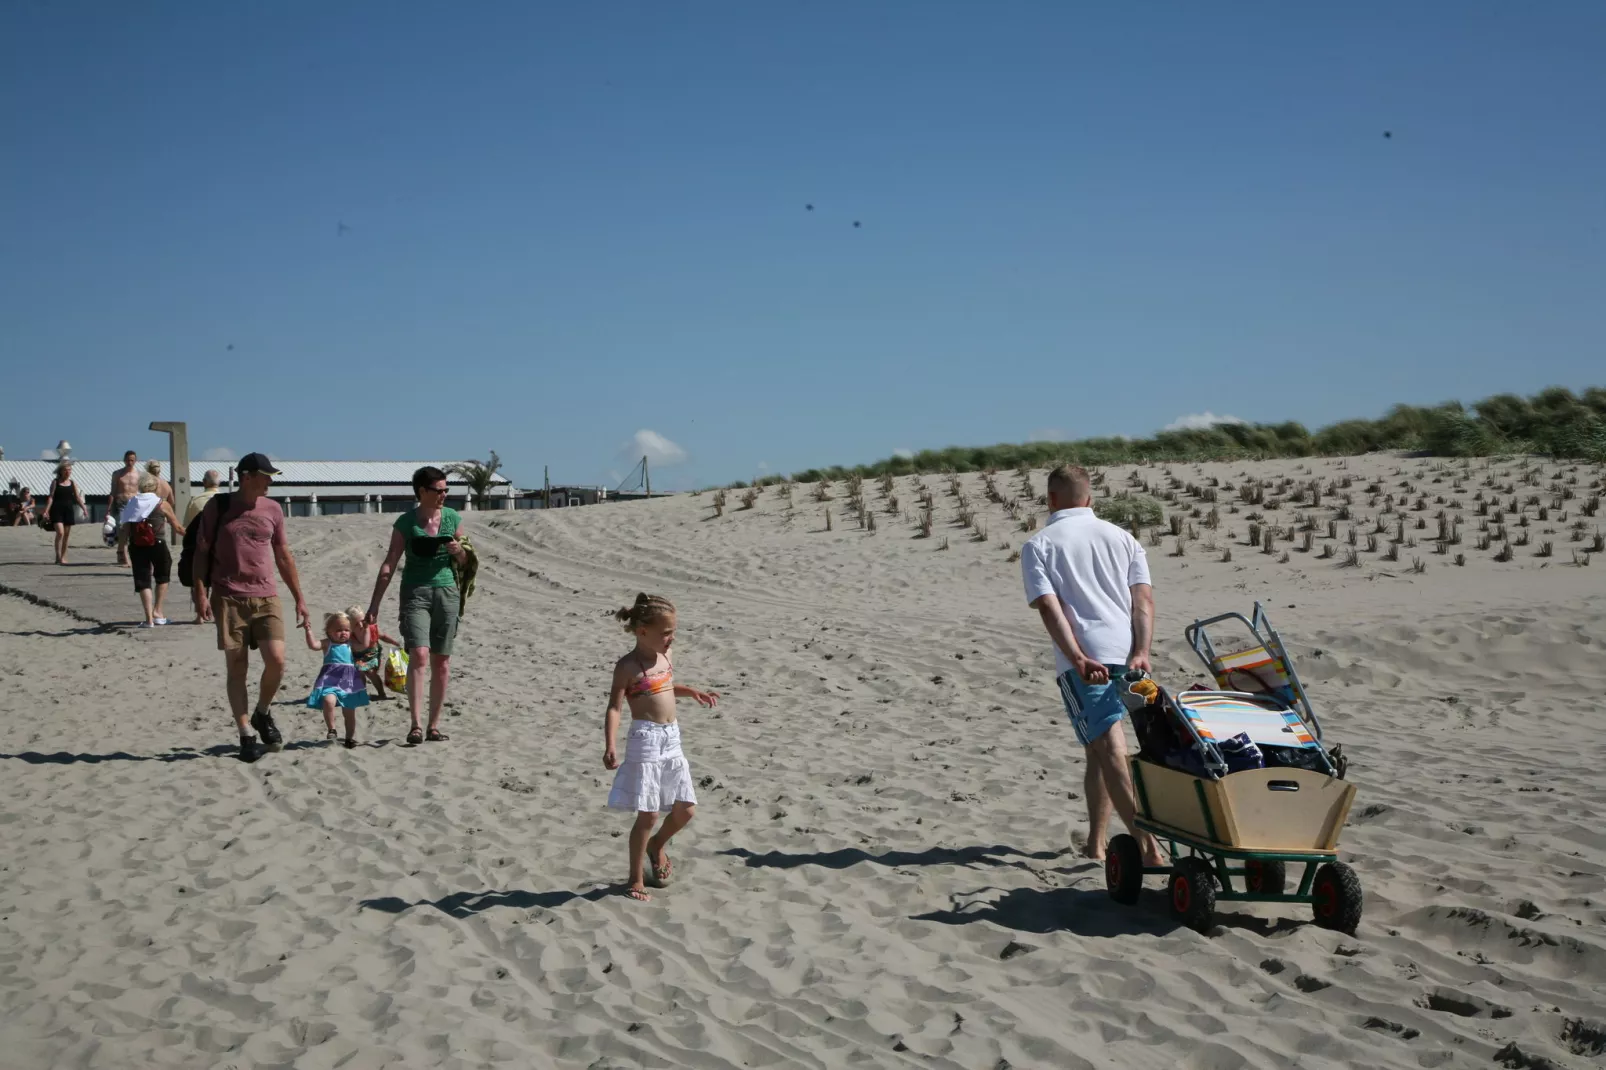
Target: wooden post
[546,486]
[646,476]
[178,465]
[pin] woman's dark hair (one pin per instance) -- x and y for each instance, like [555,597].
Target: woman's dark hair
[647,609]
[425,476]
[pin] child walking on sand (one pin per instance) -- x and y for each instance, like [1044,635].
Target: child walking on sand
[338,683]
[365,649]
[654,778]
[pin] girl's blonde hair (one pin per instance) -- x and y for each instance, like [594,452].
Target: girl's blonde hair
[62,469]
[647,609]
[153,466]
[356,614]
[332,619]
[149,484]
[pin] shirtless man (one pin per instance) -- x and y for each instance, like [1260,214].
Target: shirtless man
[125,484]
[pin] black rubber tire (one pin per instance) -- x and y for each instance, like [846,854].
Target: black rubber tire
[1266,878]
[1123,869]
[1336,898]
[1192,889]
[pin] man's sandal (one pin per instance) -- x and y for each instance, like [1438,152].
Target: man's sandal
[435,735]
[415,737]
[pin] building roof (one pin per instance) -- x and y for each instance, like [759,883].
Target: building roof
[95,476]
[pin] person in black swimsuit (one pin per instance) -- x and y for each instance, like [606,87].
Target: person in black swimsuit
[63,501]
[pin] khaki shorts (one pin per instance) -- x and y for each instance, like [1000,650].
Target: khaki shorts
[429,617]
[246,620]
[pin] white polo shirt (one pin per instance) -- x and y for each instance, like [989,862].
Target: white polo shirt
[1091,566]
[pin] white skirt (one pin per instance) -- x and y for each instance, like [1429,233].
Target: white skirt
[655,774]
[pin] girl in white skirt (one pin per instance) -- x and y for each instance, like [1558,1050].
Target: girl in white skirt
[654,778]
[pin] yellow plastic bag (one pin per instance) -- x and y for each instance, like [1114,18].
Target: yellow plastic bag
[396,670]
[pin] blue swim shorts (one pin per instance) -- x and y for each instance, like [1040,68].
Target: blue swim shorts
[1094,709]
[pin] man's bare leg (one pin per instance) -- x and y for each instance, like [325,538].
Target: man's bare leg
[145,604]
[272,671]
[1099,809]
[237,663]
[1109,751]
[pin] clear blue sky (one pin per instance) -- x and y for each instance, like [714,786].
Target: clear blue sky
[569,223]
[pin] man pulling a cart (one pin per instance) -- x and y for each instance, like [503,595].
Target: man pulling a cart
[1089,582]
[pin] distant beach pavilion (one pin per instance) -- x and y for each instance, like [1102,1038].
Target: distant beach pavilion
[306,488]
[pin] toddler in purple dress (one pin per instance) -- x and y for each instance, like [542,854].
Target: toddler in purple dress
[339,682]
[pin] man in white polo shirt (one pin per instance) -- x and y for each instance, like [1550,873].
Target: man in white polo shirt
[1089,582]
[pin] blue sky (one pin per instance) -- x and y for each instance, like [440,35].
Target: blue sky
[571,223]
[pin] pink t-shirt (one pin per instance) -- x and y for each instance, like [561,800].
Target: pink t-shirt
[242,545]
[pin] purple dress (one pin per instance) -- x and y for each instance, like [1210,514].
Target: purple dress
[340,678]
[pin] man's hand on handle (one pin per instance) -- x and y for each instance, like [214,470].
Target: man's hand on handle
[1091,671]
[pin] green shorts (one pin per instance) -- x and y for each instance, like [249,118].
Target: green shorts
[429,617]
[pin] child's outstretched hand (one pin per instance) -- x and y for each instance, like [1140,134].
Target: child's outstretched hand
[610,760]
[706,698]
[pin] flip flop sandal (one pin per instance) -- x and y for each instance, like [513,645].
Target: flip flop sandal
[437,736]
[637,894]
[662,875]
[415,737]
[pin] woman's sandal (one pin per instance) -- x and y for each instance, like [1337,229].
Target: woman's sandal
[661,875]
[415,737]
[637,894]
[435,735]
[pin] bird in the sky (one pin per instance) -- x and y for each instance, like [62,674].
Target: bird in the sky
[1388,133]
[855,224]
[341,230]
[230,347]
[808,207]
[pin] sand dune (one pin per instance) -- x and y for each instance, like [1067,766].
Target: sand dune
[883,869]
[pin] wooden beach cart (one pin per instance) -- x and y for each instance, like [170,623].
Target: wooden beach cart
[1232,835]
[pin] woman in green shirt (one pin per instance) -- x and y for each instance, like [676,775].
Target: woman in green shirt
[427,536]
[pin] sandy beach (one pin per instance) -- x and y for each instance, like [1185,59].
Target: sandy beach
[884,868]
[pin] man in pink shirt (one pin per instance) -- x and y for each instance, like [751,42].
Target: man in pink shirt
[241,541]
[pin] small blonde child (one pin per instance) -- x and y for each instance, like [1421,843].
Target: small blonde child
[338,683]
[655,777]
[366,652]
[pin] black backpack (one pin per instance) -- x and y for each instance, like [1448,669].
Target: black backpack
[186,555]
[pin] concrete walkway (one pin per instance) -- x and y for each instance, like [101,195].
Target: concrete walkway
[91,587]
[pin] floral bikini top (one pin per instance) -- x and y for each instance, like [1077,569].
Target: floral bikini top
[652,683]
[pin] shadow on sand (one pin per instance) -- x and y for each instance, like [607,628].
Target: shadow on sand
[994,855]
[467,904]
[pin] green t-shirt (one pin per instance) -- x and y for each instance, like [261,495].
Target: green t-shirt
[427,562]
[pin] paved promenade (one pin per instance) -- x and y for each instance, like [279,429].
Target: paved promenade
[90,587]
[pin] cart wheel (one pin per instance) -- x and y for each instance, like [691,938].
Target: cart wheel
[1266,878]
[1336,897]
[1193,893]
[1123,869]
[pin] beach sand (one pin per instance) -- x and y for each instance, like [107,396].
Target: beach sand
[883,870]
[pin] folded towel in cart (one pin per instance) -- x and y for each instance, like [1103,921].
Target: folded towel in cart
[1220,715]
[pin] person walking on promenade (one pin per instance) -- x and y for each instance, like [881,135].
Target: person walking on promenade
[236,552]
[1089,582]
[147,518]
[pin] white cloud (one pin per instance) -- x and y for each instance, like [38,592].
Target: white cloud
[48,455]
[1199,421]
[763,466]
[655,447]
[219,453]
[1048,434]
[905,452]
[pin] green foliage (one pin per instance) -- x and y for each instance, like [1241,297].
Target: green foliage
[1555,421]
[1129,511]
[480,477]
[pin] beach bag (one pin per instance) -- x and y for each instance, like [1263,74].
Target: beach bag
[108,530]
[396,670]
[140,533]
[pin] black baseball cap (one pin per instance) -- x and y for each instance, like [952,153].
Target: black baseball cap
[255,462]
